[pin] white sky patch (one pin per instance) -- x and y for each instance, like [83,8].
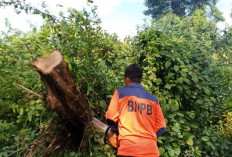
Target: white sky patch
[118,16]
[21,21]
[121,28]
[107,11]
[225,7]
[135,1]
[123,22]
[106,7]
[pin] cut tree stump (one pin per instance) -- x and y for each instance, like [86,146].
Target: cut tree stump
[63,95]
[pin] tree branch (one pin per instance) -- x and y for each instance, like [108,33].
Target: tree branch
[29,91]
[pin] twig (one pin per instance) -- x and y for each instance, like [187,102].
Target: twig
[30,91]
[82,139]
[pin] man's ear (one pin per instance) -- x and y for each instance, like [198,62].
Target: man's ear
[127,81]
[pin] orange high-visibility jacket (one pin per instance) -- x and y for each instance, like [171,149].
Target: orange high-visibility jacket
[140,120]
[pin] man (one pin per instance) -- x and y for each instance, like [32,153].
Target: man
[138,115]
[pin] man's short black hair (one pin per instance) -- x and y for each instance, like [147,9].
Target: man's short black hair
[134,72]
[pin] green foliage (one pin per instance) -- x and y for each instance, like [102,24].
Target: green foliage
[22,113]
[228,126]
[91,55]
[186,62]
[181,8]
[180,68]
[19,6]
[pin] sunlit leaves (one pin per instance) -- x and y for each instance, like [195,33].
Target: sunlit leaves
[205,138]
[187,73]
[182,68]
[189,141]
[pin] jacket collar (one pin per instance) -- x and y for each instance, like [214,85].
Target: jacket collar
[136,85]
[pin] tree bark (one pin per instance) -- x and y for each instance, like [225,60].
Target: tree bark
[61,89]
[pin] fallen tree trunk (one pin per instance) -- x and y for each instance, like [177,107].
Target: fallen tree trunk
[62,93]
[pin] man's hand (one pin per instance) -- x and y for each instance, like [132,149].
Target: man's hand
[113,139]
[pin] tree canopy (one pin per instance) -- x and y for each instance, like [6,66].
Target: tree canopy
[178,7]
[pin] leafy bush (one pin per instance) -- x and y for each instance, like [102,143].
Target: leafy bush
[178,56]
[228,126]
[186,65]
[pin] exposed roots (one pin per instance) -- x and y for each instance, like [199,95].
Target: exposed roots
[57,137]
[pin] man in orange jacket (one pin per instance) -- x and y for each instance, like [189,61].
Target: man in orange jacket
[138,115]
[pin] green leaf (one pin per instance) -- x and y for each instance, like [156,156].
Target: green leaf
[171,152]
[165,92]
[199,101]
[180,80]
[213,99]
[193,126]
[161,150]
[30,115]
[184,74]
[187,81]
[185,70]
[167,64]
[187,128]
[180,88]
[186,87]
[192,115]
[190,66]
[195,78]
[90,88]
[207,92]
[189,141]
[167,147]
[91,105]
[176,68]
[177,151]
[205,138]
[21,111]
[198,86]
[168,86]
[165,154]
[188,92]
[158,81]
[170,75]
[175,108]
[103,103]
[176,127]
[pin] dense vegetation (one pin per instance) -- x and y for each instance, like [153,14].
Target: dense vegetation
[179,7]
[186,62]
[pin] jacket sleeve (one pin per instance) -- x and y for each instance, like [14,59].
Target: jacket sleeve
[112,112]
[159,121]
